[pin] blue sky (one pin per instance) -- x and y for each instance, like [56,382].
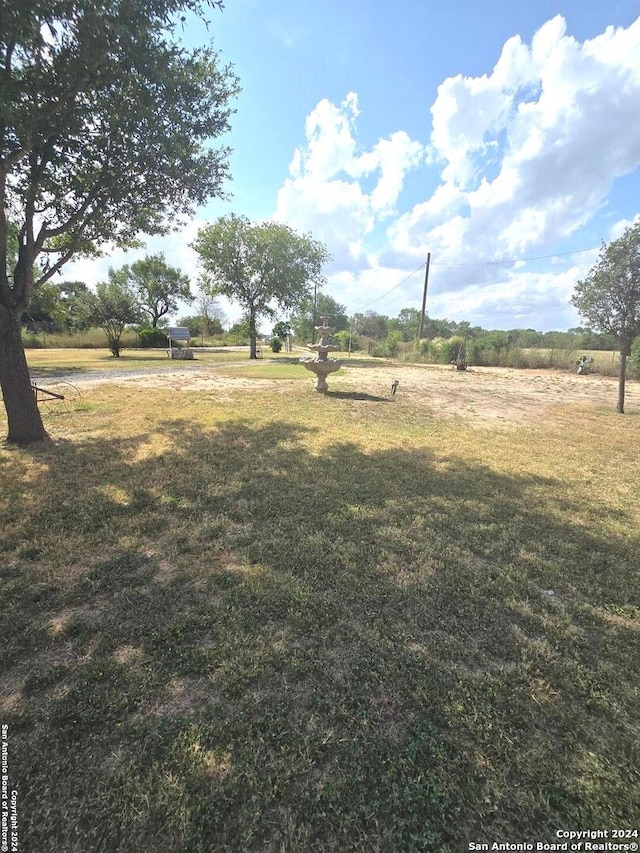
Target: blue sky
[479,131]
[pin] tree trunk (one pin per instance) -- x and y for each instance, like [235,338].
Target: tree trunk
[622,379]
[253,351]
[25,423]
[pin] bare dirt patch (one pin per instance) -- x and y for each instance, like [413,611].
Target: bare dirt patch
[479,394]
[486,393]
[197,378]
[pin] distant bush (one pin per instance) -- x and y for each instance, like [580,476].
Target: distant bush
[389,347]
[31,341]
[92,339]
[149,337]
[342,339]
[500,353]
[490,349]
[275,343]
[392,343]
[442,350]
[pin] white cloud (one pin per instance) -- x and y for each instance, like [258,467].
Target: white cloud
[528,155]
[331,144]
[536,145]
[621,225]
[325,191]
[391,158]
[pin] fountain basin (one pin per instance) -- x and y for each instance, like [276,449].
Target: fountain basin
[323,349]
[322,368]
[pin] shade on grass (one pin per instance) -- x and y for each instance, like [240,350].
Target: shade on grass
[247,631]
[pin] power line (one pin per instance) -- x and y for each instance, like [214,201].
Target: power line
[514,260]
[476,264]
[395,287]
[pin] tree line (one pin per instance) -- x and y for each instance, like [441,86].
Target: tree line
[372,326]
[147,292]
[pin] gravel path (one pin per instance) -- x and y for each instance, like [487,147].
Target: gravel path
[79,377]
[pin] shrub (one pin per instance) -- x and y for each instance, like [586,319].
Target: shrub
[423,348]
[30,341]
[491,349]
[443,350]
[276,344]
[149,337]
[392,343]
[342,339]
[196,325]
[379,351]
[389,347]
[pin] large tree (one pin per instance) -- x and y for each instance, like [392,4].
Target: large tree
[262,266]
[76,305]
[407,322]
[158,286]
[609,297]
[69,303]
[105,130]
[371,325]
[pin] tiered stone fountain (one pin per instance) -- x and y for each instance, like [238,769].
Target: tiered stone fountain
[321,365]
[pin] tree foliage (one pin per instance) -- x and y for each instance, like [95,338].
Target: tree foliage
[70,304]
[609,297]
[407,323]
[282,330]
[105,131]
[325,306]
[158,286]
[116,306]
[262,266]
[370,325]
[199,326]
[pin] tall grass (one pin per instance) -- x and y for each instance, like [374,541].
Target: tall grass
[91,339]
[444,352]
[96,339]
[604,363]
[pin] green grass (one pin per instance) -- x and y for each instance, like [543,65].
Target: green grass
[269,370]
[289,622]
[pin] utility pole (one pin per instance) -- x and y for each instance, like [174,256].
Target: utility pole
[424,296]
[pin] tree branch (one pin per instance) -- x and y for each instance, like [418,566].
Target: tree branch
[58,265]
[46,233]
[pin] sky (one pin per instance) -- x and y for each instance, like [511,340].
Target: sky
[500,136]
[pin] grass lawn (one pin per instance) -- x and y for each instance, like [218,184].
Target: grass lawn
[280,621]
[79,361]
